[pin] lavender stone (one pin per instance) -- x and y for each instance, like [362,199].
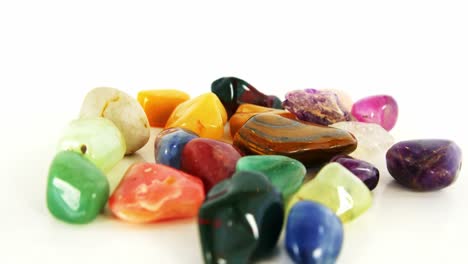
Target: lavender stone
[365,171]
[424,165]
[320,107]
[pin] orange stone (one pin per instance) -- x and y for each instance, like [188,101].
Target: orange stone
[152,192]
[203,115]
[246,111]
[159,104]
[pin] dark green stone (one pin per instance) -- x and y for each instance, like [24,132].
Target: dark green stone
[233,92]
[241,219]
[77,190]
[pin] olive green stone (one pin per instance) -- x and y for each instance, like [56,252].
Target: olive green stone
[77,190]
[338,189]
[285,173]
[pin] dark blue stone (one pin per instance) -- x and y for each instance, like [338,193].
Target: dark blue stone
[362,169]
[169,144]
[314,234]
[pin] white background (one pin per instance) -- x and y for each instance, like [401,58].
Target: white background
[53,52]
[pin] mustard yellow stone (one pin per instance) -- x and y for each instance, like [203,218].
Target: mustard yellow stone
[203,115]
[159,104]
[338,189]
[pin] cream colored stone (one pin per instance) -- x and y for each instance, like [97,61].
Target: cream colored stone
[345,98]
[123,110]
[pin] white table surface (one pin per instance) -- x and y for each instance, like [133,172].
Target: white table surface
[52,53]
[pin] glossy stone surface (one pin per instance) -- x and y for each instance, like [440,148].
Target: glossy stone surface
[365,171]
[241,219]
[233,91]
[338,189]
[373,140]
[269,134]
[169,144]
[285,174]
[246,111]
[77,190]
[123,110]
[320,107]
[98,139]
[314,234]
[203,115]
[159,104]
[379,109]
[210,160]
[153,192]
[426,164]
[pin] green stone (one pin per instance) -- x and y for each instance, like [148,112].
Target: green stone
[77,190]
[98,139]
[338,189]
[285,173]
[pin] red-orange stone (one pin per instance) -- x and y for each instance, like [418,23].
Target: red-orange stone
[153,192]
[209,159]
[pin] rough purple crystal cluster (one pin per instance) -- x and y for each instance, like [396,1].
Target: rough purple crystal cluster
[424,165]
[320,107]
[365,171]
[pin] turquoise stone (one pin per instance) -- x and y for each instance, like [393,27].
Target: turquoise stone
[98,139]
[77,190]
[241,219]
[285,173]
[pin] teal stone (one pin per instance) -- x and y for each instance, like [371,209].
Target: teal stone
[77,190]
[285,174]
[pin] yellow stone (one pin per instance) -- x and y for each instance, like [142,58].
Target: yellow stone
[338,189]
[159,104]
[204,115]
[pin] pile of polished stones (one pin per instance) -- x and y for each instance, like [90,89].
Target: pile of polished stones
[243,187]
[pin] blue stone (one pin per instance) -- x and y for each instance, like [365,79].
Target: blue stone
[314,234]
[169,144]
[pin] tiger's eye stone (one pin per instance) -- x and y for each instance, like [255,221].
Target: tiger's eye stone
[203,115]
[153,192]
[365,171]
[338,189]
[379,109]
[169,144]
[320,107]
[426,164]
[269,134]
[233,91]
[77,190]
[246,111]
[159,104]
[98,139]
[285,174]
[241,219]
[209,159]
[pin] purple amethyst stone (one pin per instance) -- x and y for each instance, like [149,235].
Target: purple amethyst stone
[424,165]
[365,171]
[320,107]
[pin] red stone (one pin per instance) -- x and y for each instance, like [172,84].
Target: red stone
[152,192]
[211,160]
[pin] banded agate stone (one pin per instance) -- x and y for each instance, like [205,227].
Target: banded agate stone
[169,144]
[269,134]
[426,164]
[338,189]
[159,104]
[241,219]
[233,91]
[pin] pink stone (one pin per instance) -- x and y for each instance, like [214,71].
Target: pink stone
[379,109]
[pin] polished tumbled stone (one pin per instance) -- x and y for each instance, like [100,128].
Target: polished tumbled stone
[169,144]
[285,173]
[338,189]
[77,190]
[426,164]
[365,171]
[379,109]
[314,234]
[241,219]
[233,91]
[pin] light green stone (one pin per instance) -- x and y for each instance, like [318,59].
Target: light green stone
[77,190]
[285,174]
[338,189]
[98,139]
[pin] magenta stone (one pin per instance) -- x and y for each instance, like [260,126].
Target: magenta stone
[426,164]
[320,107]
[379,109]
